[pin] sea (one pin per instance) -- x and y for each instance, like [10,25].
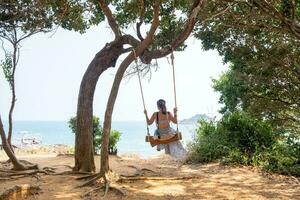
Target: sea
[132,142]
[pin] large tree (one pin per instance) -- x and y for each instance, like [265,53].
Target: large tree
[22,19]
[260,40]
[170,24]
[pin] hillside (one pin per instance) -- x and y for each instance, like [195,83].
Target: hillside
[195,119]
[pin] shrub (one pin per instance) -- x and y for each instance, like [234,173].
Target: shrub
[240,139]
[236,137]
[282,157]
[114,136]
[246,134]
[208,144]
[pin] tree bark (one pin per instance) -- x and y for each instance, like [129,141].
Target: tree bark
[115,89]
[17,165]
[13,98]
[107,57]
[108,115]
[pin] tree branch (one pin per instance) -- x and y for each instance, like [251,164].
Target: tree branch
[185,33]
[111,20]
[139,24]
[138,30]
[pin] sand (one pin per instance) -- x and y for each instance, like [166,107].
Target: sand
[212,181]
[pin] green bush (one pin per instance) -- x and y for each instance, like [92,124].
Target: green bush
[208,144]
[240,139]
[114,136]
[246,134]
[234,139]
[283,157]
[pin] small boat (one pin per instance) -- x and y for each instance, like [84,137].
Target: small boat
[30,139]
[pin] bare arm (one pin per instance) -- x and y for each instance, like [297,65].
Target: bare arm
[173,118]
[151,120]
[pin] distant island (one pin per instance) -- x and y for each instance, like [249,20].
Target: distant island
[195,119]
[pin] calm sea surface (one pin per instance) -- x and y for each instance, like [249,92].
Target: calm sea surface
[57,132]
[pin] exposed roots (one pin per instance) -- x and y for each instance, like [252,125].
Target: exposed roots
[100,179]
[92,191]
[74,173]
[25,165]
[13,174]
[103,187]
[67,166]
[94,179]
[130,179]
[141,172]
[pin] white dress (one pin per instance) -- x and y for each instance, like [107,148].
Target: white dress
[174,149]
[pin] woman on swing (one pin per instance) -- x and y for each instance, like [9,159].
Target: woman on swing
[164,130]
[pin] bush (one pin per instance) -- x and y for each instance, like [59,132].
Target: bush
[240,139]
[208,145]
[245,134]
[234,139]
[114,136]
[283,157]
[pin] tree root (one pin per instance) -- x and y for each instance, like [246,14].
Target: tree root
[65,154]
[12,174]
[119,191]
[26,165]
[19,192]
[67,166]
[92,191]
[140,172]
[74,173]
[96,179]
[112,188]
[129,179]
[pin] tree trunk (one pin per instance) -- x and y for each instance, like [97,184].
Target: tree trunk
[115,89]
[84,151]
[10,122]
[108,115]
[13,98]
[17,165]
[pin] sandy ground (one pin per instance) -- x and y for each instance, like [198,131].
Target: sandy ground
[212,181]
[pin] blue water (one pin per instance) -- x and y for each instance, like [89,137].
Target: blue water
[57,132]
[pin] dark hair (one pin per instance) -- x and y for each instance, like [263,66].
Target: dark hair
[161,104]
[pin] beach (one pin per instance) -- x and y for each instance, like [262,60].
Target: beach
[160,177]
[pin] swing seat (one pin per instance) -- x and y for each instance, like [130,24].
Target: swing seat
[153,141]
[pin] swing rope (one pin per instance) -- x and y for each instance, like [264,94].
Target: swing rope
[174,87]
[141,87]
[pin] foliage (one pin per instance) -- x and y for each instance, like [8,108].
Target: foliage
[208,145]
[97,135]
[241,139]
[283,157]
[173,15]
[236,135]
[42,16]
[246,133]
[114,138]
[7,67]
[264,58]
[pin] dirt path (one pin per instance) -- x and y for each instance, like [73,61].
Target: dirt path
[212,181]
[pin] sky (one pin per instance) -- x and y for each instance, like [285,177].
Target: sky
[52,65]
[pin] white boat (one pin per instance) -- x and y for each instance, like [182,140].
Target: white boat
[30,139]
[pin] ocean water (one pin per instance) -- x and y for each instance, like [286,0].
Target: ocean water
[57,132]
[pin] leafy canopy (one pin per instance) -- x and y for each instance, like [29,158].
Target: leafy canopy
[261,44]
